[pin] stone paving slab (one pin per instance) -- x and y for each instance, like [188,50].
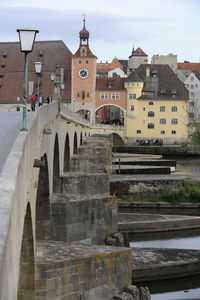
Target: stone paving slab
[146,223]
[151,264]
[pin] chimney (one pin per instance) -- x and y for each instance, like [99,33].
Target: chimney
[147,71]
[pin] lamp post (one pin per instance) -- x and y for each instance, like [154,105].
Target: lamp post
[52,85]
[38,69]
[26,38]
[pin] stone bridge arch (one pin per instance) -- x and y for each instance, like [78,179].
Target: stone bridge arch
[43,143]
[120,113]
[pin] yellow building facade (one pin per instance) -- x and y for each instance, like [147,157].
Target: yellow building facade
[156,105]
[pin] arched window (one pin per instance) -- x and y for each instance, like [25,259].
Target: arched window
[151,125]
[162,121]
[174,108]
[174,121]
[150,114]
[162,108]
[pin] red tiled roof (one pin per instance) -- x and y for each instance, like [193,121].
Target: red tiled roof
[106,67]
[188,66]
[139,52]
[89,52]
[113,83]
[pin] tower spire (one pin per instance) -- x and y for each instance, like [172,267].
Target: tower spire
[84,34]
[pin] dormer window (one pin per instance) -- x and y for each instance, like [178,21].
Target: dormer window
[154,73]
[173,93]
[162,93]
[41,53]
[109,85]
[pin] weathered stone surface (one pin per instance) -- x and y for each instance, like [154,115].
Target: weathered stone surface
[133,290]
[144,293]
[123,296]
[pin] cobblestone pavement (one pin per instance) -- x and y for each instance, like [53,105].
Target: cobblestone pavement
[10,125]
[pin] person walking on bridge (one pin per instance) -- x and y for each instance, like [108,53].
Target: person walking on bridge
[33,101]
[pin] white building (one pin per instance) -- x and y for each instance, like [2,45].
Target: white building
[192,83]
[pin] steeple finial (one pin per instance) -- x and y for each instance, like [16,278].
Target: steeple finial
[84,33]
[83,19]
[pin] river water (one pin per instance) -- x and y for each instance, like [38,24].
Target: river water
[182,288]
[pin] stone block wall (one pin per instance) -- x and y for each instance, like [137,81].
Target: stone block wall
[76,271]
[76,218]
[83,213]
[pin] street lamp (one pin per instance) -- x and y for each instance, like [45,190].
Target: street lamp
[52,85]
[38,69]
[26,38]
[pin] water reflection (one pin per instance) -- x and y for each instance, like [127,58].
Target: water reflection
[190,166]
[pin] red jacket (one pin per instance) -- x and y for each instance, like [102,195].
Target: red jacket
[34,98]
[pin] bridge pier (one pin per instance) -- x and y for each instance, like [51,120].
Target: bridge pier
[75,263]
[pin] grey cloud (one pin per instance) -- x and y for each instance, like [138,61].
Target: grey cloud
[66,24]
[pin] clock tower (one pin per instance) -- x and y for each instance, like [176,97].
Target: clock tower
[84,78]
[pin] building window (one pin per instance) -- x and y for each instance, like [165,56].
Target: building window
[150,114]
[196,85]
[79,62]
[83,52]
[192,87]
[174,121]
[151,125]
[150,103]
[115,96]
[143,108]
[138,131]
[192,78]
[132,96]
[87,62]
[173,131]
[174,108]
[144,122]
[103,96]
[162,121]
[162,132]
[132,107]
[162,108]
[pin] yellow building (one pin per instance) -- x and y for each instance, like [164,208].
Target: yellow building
[156,105]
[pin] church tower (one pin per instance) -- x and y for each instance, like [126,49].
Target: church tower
[84,78]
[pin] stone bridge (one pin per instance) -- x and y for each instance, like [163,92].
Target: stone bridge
[54,190]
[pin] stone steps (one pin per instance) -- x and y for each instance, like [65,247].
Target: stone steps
[143,162]
[137,169]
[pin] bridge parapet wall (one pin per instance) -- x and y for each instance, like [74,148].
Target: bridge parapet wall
[18,186]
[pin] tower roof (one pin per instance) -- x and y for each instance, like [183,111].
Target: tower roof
[138,52]
[84,33]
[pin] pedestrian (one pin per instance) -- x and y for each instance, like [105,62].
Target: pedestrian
[33,101]
[41,100]
[49,99]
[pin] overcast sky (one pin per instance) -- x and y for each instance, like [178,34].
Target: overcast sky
[157,26]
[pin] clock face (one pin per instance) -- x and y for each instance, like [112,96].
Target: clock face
[83,73]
